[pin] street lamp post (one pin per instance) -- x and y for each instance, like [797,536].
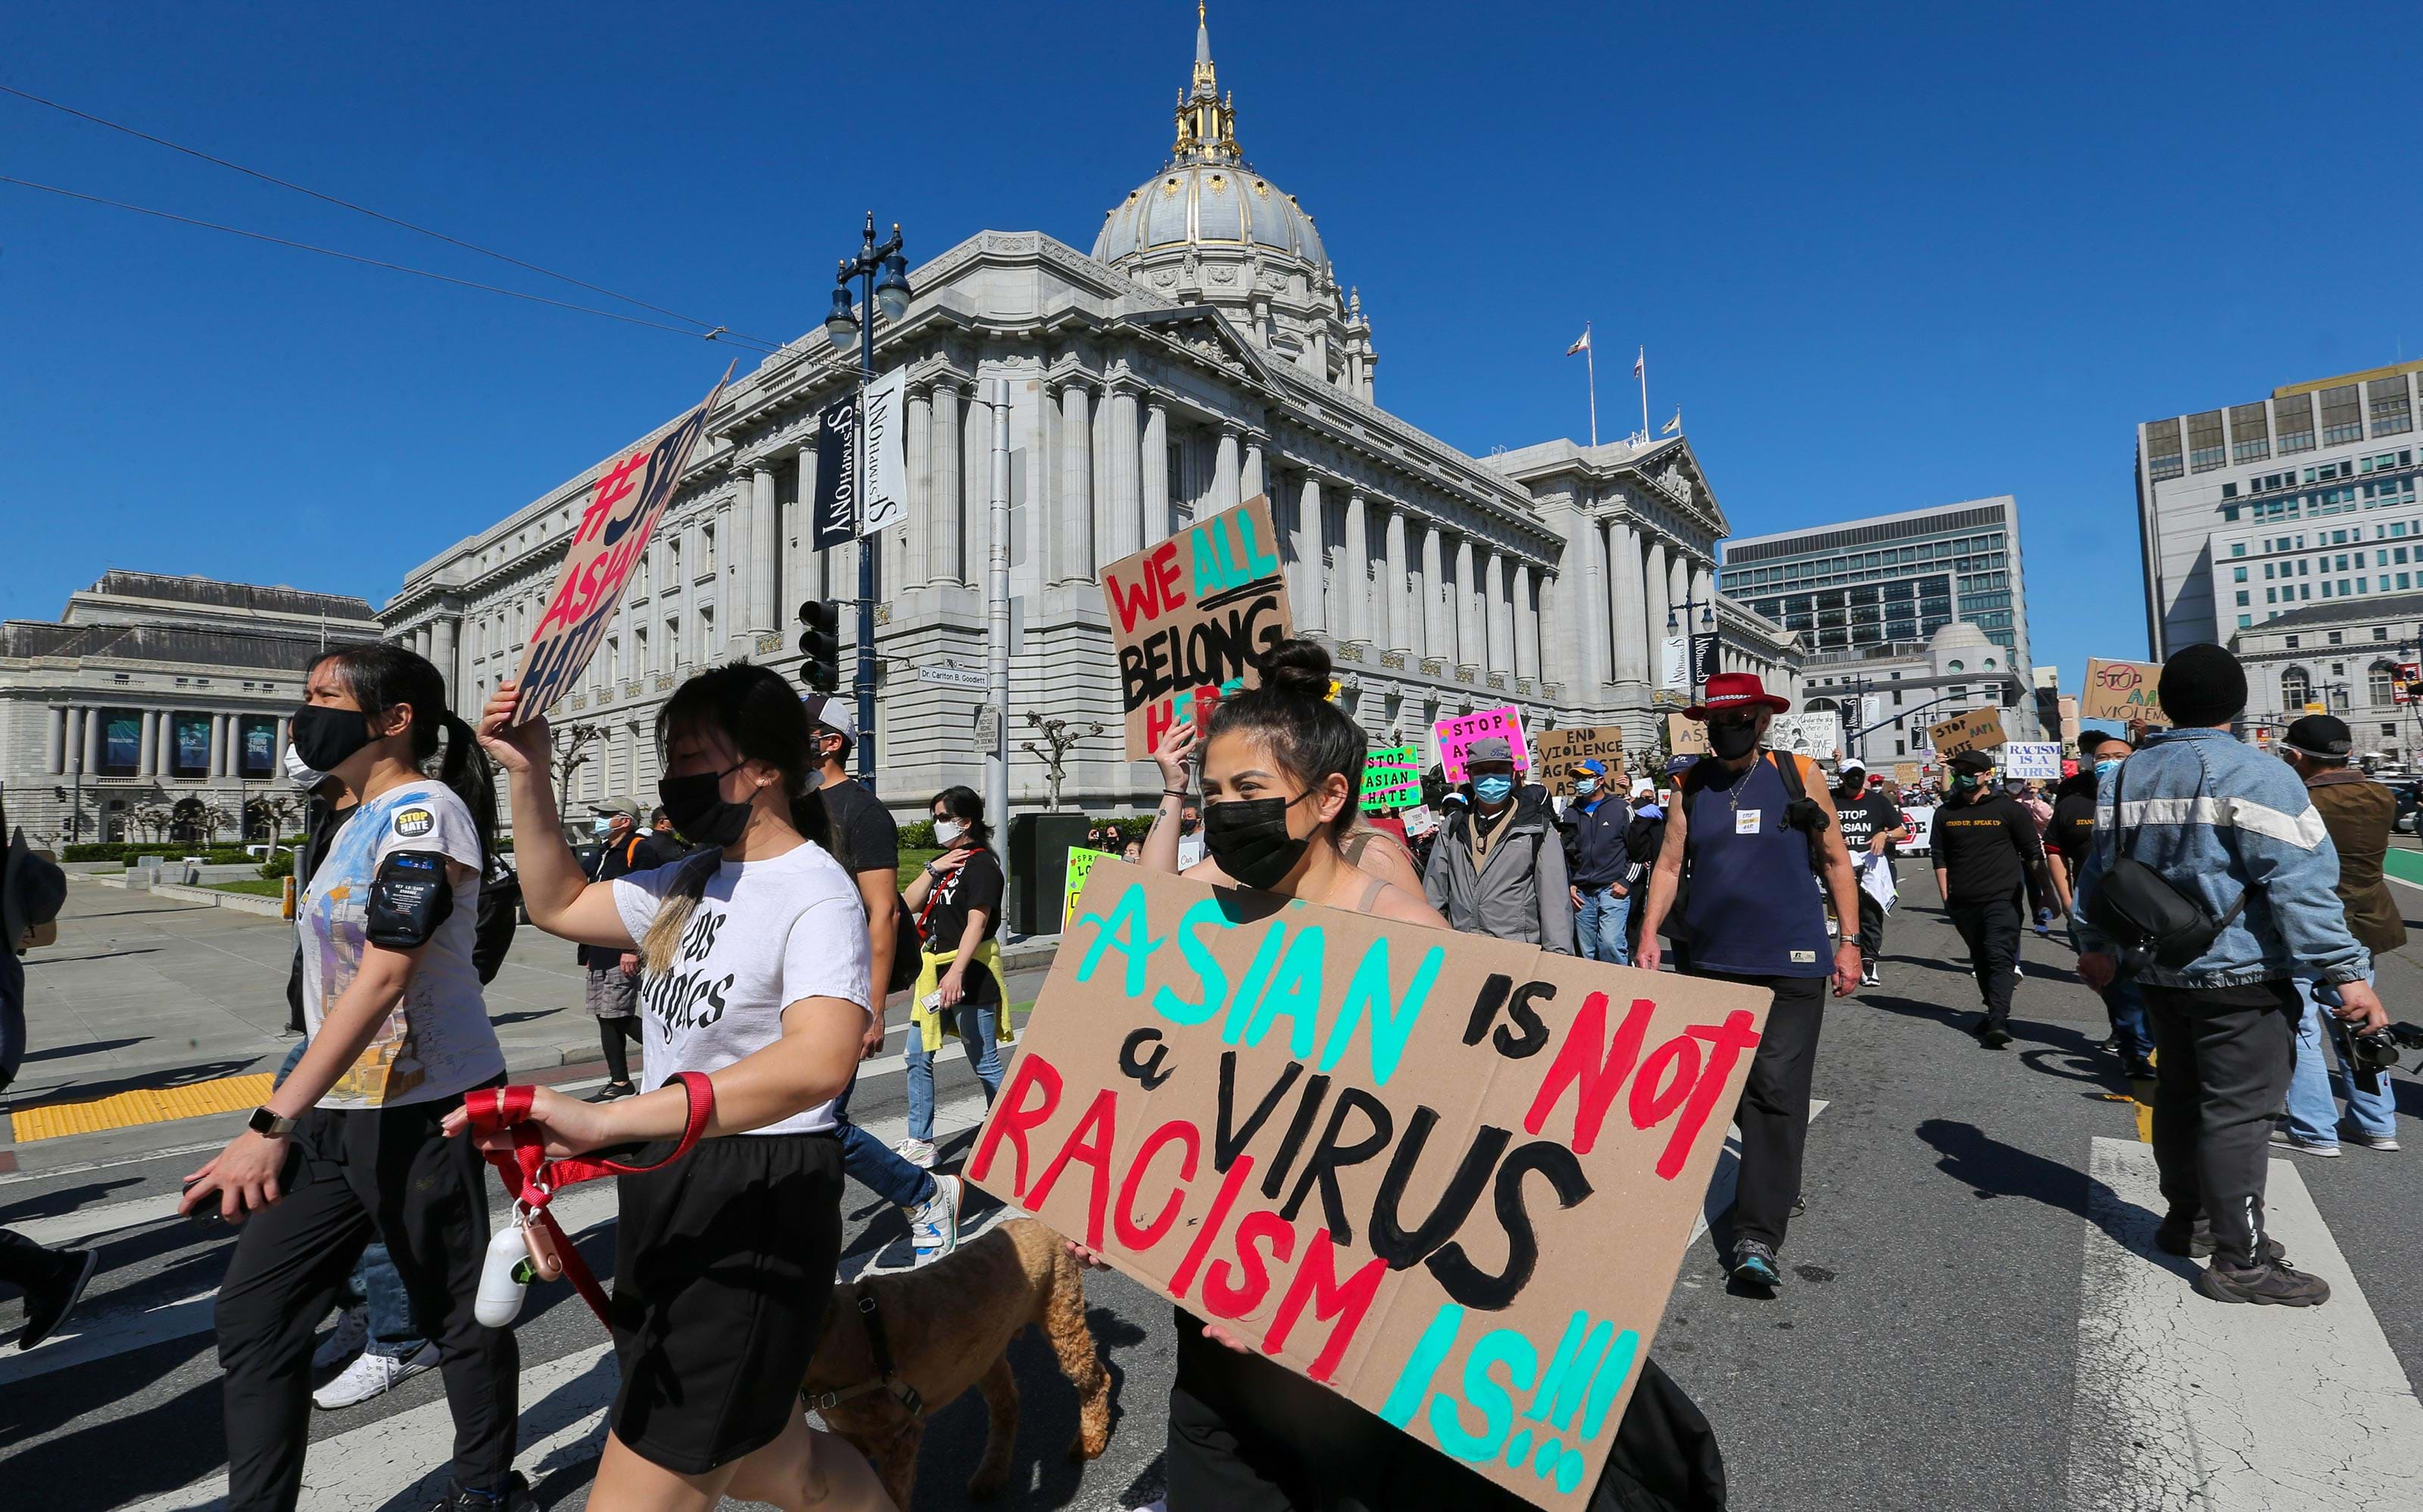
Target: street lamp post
[882,273]
[1704,613]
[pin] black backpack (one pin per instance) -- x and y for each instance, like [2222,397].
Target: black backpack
[2142,912]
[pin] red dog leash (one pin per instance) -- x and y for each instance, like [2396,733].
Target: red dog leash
[531,1179]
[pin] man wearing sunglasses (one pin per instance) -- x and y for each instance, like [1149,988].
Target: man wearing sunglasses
[1754,829]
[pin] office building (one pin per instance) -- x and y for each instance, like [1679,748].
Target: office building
[2251,511]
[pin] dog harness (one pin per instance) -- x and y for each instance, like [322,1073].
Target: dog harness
[887,1374]
[531,1178]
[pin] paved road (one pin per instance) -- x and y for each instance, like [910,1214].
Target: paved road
[1973,1316]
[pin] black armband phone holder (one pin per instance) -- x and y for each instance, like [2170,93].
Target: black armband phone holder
[409,898]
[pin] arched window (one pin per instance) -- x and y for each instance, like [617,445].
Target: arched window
[2296,690]
[2380,682]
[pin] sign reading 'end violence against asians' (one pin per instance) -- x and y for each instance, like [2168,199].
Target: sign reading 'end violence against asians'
[615,523]
[1450,1177]
[1187,613]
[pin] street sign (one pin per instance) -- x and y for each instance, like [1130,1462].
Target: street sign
[953,676]
[988,727]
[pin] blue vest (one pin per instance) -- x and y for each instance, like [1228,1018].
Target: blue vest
[1753,907]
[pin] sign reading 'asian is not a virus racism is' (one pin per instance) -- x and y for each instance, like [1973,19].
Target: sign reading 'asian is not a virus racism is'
[1450,1177]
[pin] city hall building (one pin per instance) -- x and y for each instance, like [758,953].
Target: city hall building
[1205,351]
[154,697]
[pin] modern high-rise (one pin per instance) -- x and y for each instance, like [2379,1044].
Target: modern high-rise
[2248,512]
[1870,586]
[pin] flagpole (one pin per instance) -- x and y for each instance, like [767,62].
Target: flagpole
[1642,365]
[1590,363]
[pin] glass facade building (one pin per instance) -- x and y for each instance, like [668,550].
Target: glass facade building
[1858,587]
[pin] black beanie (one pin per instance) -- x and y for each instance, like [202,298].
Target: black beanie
[2202,685]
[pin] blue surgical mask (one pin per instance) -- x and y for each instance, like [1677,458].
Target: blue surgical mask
[599,827]
[2101,767]
[1492,788]
[1584,787]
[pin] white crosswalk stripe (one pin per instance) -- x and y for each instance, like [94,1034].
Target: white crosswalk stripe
[2188,1405]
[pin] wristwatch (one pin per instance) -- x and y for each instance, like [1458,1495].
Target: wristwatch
[268,1124]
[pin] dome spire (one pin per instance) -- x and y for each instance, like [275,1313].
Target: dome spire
[1207,124]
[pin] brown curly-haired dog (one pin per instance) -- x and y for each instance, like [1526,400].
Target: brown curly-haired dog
[949,1325]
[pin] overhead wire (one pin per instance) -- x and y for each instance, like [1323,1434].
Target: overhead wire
[749,344]
[710,330]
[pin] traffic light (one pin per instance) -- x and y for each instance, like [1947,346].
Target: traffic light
[820,645]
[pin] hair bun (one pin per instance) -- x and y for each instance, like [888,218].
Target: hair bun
[1298,668]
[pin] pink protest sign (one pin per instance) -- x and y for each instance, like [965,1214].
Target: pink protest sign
[1454,734]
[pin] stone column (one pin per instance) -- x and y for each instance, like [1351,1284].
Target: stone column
[1123,504]
[943,560]
[74,755]
[1224,470]
[55,741]
[1154,460]
[1392,585]
[448,669]
[167,760]
[1438,629]
[1253,482]
[1527,625]
[1703,582]
[1076,483]
[1633,655]
[147,758]
[760,554]
[286,737]
[917,553]
[1655,608]
[1500,626]
[1311,594]
[1354,569]
[1469,652]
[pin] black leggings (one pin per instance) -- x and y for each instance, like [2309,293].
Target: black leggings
[388,1172]
[612,1033]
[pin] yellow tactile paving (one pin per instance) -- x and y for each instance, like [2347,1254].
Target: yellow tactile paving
[145,1106]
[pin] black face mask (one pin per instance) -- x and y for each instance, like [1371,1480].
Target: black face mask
[1732,739]
[324,737]
[1249,838]
[697,807]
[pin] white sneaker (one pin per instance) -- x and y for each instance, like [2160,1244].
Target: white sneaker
[353,1332]
[934,1223]
[371,1375]
[918,1152]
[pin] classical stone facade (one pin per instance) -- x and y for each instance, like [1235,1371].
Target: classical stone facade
[155,693]
[1202,354]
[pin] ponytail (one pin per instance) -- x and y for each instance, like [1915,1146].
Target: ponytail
[657,947]
[468,774]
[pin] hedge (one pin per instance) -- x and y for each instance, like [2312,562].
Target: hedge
[215,855]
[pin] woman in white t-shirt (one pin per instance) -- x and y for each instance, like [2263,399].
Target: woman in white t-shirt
[755,956]
[351,1144]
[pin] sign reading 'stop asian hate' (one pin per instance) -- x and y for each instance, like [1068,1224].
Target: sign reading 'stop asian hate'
[1190,612]
[1449,1176]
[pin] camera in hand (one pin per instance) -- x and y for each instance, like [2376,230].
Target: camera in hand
[2370,1054]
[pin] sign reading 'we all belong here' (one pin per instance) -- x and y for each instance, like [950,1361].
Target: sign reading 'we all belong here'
[1447,1176]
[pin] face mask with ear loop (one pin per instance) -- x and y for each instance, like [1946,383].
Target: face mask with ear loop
[697,807]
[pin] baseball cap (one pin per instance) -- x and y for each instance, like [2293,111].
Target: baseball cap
[1595,769]
[831,711]
[1490,749]
[1971,761]
[619,804]
[2322,735]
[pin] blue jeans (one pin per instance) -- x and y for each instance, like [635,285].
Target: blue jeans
[374,1286]
[1598,929]
[2313,1112]
[976,1022]
[876,1168]
[2126,1007]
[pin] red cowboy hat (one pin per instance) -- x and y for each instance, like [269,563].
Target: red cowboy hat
[1735,690]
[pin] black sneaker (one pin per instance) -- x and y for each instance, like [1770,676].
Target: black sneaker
[612,1091]
[47,1306]
[516,1497]
[1754,1264]
[1993,1035]
[2273,1284]
[2177,1236]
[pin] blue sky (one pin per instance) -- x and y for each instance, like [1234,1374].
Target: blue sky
[1884,258]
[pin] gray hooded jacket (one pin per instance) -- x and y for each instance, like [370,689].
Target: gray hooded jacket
[1520,893]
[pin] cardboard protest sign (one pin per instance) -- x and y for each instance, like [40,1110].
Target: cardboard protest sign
[1976,729]
[2122,690]
[1081,865]
[1816,733]
[615,523]
[1186,613]
[1556,751]
[1449,1176]
[1454,734]
[2031,760]
[1391,779]
[1686,737]
[1907,773]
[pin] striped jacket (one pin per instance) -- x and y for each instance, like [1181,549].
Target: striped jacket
[2220,820]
